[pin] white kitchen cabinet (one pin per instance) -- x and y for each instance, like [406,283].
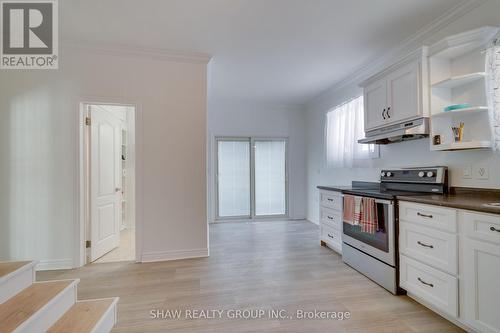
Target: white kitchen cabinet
[402,93]
[398,93]
[330,216]
[482,287]
[432,268]
[481,251]
[375,100]
[435,287]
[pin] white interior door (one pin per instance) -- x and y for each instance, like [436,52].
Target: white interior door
[105,183]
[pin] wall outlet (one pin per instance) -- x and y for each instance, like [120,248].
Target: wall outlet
[481,172]
[467,172]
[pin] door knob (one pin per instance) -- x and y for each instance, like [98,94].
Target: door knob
[118,189]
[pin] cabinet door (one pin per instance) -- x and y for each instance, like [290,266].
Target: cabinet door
[375,97]
[402,93]
[482,287]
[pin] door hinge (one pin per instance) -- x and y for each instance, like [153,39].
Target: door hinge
[87,121]
[87,244]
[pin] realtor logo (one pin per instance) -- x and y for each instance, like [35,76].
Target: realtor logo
[29,34]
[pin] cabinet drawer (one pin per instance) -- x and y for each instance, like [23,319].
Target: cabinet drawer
[435,248]
[434,287]
[482,226]
[429,216]
[331,199]
[331,236]
[331,218]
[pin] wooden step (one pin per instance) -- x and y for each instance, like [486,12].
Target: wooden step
[96,316]
[15,276]
[37,307]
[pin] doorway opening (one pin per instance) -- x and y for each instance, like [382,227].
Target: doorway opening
[108,162]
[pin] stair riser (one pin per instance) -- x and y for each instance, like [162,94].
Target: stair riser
[48,315]
[107,322]
[16,283]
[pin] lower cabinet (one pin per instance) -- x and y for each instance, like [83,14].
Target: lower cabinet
[482,285]
[453,267]
[332,237]
[437,288]
[330,219]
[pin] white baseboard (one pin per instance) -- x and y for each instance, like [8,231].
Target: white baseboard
[173,255]
[258,219]
[313,222]
[48,265]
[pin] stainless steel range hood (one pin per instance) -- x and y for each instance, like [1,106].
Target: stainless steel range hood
[404,131]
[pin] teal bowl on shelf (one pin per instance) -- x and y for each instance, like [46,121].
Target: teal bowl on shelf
[456,107]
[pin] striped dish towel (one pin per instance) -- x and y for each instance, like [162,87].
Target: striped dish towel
[369,217]
[352,209]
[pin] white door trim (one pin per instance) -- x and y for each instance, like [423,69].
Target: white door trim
[79,259]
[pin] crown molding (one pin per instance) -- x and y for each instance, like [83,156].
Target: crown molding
[136,52]
[468,40]
[416,40]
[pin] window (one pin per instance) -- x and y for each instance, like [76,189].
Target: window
[344,127]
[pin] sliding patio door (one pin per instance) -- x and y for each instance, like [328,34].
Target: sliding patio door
[270,177]
[251,178]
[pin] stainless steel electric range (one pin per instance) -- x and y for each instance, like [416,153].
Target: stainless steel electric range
[376,255]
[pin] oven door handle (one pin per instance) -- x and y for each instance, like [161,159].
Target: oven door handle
[379,201]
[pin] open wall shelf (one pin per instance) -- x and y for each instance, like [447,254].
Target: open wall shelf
[465,145]
[459,80]
[456,73]
[467,111]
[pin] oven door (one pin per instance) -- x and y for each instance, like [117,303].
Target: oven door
[381,244]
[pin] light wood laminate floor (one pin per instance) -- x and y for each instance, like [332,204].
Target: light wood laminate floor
[266,265]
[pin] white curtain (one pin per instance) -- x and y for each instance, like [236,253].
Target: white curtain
[344,127]
[493,93]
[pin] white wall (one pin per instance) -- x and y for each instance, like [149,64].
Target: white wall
[39,140]
[246,119]
[401,154]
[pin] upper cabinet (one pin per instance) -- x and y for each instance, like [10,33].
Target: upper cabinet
[375,99]
[398,93]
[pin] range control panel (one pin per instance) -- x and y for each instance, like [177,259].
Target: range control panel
[428,175]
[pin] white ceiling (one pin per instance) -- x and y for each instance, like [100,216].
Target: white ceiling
[267,51]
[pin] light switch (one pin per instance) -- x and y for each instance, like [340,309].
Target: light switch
[481,172]
[467,172]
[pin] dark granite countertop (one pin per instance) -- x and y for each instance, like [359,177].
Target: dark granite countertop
[461,198]
[355,185]
[474,199]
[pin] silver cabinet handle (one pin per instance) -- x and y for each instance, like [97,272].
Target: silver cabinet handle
[494,229]
[426,283]
[425,215]
[425,245]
